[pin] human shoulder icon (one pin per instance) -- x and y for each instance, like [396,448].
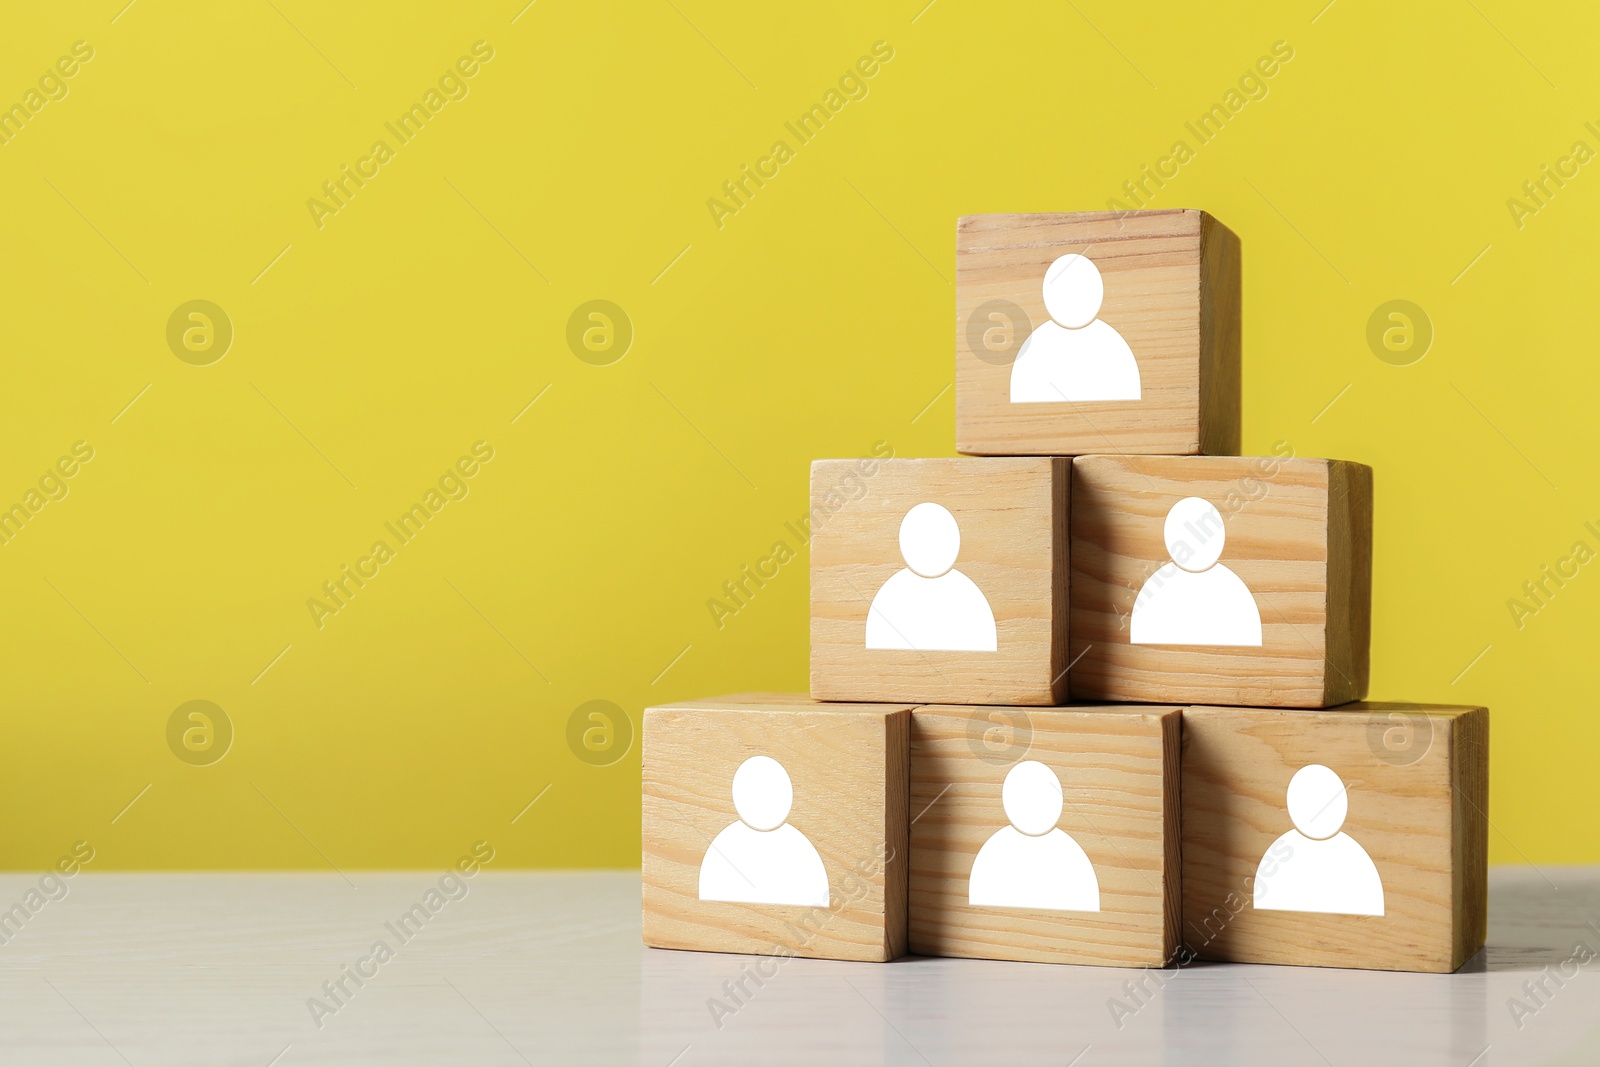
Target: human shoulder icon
[1316,867]
[1194,599]
[928,605]
[760,858]
[1033,863]
[1075,356]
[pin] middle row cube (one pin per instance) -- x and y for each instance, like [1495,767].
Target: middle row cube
[1183,579]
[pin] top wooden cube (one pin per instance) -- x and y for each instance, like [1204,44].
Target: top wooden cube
[1112,332]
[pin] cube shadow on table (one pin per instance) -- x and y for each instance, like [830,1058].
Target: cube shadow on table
[775,825]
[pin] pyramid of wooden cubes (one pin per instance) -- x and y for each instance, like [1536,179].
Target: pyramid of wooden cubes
[1093,692]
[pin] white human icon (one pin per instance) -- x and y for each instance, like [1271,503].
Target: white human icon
[1194,600]
[928,605]
[761,859]
[1316,866]
[1075,356]
[1033,863]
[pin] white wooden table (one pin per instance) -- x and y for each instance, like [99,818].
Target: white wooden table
[537,968]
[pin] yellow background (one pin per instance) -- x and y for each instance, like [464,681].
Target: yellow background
[428,312]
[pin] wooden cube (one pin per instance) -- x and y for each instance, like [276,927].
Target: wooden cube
[1355,837]
[1217,579]
[1099,331]
[939,580]
[774,825]
[1091,877]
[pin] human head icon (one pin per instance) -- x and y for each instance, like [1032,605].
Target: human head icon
[1033,863]
[760,857]
[1317,802]
[1316,867]
[1073,291]
[762,793]
[929,540]
[1032,798]
[1194,534]
[928,605]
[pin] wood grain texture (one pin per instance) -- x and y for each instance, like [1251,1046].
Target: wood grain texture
[1469,762]
[1416,779]
[1349,582]
[1298,533]
[1118,769]
[1221,386]
[1172,285]
[1013,519]
[848,765]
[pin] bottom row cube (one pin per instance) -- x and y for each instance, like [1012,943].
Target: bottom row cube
[1124,836]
